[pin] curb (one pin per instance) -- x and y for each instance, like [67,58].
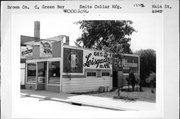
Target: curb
[78,103]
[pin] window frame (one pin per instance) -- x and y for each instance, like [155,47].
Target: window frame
[105,75]
[91,72]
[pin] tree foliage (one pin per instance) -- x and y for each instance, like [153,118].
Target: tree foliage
[147,63]
[151,80]
[112,35]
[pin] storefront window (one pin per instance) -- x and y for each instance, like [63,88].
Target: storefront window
[54,73]
[31,73]
[41,69]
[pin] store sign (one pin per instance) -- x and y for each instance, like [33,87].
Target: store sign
[96,59]
[125,63]
[72,60]
[45,49]
[26,51]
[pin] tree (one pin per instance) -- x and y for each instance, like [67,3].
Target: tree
[147,64]
[112,36]
[102,34]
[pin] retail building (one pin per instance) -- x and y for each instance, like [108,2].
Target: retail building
[52,64]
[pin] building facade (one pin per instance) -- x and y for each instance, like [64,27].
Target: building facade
[51,64]
[56,66]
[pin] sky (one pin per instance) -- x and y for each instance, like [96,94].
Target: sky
[148,26]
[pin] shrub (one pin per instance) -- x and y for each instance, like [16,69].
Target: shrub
[147,64]
[151,80]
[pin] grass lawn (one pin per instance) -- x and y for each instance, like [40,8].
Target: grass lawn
[145,95]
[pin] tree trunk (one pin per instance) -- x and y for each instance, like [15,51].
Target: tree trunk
[118,92]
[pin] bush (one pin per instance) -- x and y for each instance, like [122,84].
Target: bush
[147,64]
[151,80]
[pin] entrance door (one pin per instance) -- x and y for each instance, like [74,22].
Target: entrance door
[115,79]
[42,75]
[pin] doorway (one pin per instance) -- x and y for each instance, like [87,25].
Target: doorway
[115,79]
[41,75]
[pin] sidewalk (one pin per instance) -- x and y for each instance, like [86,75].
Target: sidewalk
[93,101]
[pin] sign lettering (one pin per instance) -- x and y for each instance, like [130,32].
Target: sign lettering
[26,51]
[93,59]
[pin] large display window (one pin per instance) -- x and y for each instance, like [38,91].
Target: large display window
[41,69]
[54,72]
[31,73]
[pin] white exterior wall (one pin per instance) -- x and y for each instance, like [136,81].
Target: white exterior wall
[85,84]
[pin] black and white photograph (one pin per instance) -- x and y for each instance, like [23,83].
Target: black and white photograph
[86,65]
[91,64]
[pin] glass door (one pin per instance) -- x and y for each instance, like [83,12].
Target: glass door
[42,75]
[31,73]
